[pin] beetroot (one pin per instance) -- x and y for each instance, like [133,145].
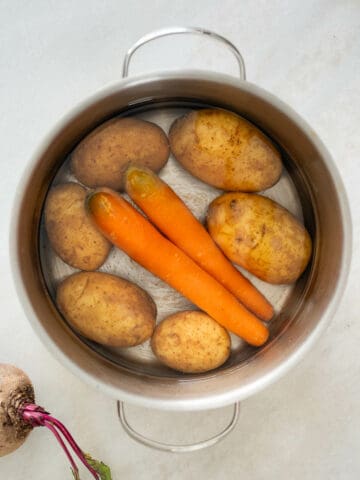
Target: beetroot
[19,415]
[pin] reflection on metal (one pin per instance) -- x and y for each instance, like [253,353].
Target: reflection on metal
[164,32]
[175,448]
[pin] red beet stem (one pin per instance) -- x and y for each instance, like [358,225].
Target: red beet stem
[72,443]
[63,445]
[38,417]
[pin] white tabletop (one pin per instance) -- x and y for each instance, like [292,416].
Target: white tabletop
[52,55]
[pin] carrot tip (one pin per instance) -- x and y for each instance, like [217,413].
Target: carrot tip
[141,181]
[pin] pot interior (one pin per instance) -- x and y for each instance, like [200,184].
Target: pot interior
[290,192]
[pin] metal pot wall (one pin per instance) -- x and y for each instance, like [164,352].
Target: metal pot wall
[312,301]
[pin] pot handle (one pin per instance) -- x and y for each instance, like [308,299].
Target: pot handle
[175,448]
[164,32]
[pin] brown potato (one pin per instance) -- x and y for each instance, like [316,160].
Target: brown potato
[260,235]
[99,159]
[71,233]
[107,309]
[191,342]
[225,150]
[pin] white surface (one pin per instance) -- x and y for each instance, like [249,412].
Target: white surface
[53,54]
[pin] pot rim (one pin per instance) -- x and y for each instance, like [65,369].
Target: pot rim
[213,400]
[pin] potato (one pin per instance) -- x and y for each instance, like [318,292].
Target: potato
[107,309]
[99,159]
[70,231]
[260,235]
[191,342]
[225,150]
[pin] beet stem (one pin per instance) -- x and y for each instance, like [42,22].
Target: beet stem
[62,443]
[39,417]
[72,443]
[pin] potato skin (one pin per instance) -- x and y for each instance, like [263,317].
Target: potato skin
[100,158]
[260,235]
[191,342]
[107,309]
[70,231]
[225,150]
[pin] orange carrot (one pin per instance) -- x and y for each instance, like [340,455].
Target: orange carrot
[129,230]
[172,217]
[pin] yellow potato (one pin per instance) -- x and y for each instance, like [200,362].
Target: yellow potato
[107,309]
[191,342]
[260,235]
[225,150]
[100,158]
[70,231]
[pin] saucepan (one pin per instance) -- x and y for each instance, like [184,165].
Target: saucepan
[310,188]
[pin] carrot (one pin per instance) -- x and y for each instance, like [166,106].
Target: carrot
[170,214]
[129,230]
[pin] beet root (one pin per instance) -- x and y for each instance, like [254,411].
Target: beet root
[19,415]
[16,391]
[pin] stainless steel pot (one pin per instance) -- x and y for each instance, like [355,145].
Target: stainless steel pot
[311,185]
